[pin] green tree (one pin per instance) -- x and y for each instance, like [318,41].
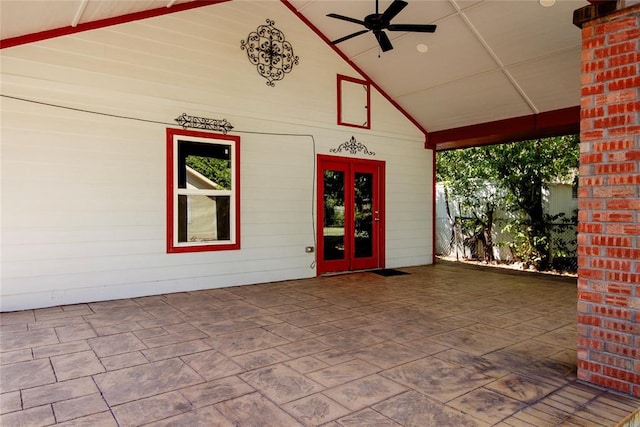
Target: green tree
[519,173]
[217,170]
[469,185]
[525,169]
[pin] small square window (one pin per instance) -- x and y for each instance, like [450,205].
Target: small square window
[203,200]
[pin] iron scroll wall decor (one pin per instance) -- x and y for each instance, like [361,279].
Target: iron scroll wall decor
[353,147]
[268,50]
[187,121]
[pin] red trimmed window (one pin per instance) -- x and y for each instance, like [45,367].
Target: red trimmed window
[354,98]
[203,191]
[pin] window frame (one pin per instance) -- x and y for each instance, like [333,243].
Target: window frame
[342,79]
[173,139]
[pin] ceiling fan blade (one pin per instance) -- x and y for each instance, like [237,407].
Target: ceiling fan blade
[345,18]
[428,28]
[393,9]
[341,39]
[383,41]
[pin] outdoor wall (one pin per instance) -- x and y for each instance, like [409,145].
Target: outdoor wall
[609,203]
[561,200]
[83,168]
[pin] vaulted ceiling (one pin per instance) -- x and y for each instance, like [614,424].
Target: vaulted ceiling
[494,70]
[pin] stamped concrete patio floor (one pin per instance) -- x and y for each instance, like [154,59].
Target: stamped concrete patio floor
[441,346]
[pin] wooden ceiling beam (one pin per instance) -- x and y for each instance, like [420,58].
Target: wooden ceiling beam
[564,121]
[597,9]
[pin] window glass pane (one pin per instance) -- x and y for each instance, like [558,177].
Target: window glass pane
[363,215]
[203,218]
[204,166]
[206,173]
[333,231]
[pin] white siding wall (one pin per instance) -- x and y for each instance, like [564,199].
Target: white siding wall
[83,194]
[560,200]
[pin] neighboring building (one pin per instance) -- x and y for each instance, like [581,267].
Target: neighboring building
[206,217]
[560,200]
[92,202]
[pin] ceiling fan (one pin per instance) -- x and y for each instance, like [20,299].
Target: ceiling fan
[377,22]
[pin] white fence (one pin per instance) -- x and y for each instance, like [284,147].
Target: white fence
[450,240]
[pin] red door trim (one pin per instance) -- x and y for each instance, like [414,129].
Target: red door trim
[325,162]
[349,164]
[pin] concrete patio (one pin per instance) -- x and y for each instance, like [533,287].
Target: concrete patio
[441,346]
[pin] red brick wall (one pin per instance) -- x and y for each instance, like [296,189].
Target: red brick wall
[609,204]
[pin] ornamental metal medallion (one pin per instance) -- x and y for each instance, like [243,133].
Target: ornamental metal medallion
[353,147]
[194,122]
[268,50]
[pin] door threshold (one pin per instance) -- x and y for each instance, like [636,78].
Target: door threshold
[340,273]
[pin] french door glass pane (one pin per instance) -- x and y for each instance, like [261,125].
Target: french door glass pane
[363,215]
[333,231]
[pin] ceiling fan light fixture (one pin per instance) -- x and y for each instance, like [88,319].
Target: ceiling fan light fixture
[422,48]
[547,3]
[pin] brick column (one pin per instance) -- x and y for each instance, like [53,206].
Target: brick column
[609,203]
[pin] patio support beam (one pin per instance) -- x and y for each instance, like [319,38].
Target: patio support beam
[564,121]
[595,10]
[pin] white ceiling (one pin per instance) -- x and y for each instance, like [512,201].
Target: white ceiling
[488,60]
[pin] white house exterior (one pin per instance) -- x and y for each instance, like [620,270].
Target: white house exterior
[84,164]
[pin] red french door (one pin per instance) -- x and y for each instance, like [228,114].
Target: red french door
[350,214]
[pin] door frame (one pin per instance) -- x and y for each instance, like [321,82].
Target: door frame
[351,165]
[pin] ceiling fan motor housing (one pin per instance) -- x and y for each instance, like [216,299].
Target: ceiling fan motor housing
[374,22]
[377,22]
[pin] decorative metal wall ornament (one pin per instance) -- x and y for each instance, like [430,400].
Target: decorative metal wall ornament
[353,147]
[268,50]
[193,122]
